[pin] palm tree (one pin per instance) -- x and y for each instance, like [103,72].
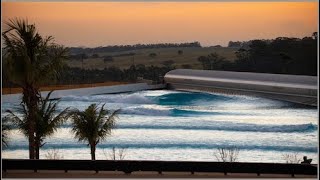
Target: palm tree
[4,133]
[46,121]
[30,60]
[93,125]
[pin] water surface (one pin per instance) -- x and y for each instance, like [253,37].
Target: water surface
[187,126]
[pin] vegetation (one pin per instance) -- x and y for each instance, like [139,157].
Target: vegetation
[4,133]
[212,62]
[30,60]
[93,125]
[227,154]
[53,154]
[168,64]
[153,55]
[116,154]
[292,158]
[78,50]
[279,56]
[80,76]
[46,122]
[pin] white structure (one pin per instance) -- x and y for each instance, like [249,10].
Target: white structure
[292,88]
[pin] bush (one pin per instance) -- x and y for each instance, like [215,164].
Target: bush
[292,158]
[53,154]
[227,154]
[108,59]
[152,55]
[115,154]
[186,66]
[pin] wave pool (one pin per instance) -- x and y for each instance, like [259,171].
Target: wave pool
[187,126]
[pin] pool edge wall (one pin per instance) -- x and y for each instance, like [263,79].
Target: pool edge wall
[292,88]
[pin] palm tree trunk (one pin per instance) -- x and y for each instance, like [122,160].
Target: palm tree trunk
[93,151]
[31,98]
[37,148]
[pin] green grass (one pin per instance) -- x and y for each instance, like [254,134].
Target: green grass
[189,56]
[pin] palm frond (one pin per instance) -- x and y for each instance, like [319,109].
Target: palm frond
[93,124]
[108,125]
[33,58]
[4,133]
[47,122]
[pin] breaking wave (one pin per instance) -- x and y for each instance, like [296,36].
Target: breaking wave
[115,98]
[167,112]
[175,145]
[231,127]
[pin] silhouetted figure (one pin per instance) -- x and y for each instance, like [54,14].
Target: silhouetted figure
[306,161]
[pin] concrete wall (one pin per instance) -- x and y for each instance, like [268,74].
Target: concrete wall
[14,98]
[293,88]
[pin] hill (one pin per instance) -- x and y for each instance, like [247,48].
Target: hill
[188,56]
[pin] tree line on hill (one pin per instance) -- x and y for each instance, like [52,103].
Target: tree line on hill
[282,55]
[131,74]
[83,56]
[118,48]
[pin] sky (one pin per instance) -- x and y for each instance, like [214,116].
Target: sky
[125,23]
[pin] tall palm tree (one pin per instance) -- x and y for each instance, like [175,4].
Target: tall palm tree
[46,122]
[4,133]
[30,60]
[93,125]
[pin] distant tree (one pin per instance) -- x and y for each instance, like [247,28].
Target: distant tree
[168,63]
[204,61]
[211,62]
[152,55]
[315,35]
[243,60]
[180,52]
[286,61]
[95,56]
[107,59]
[234,44]
[93,125]
[84,56]
[186,66]
[131,74]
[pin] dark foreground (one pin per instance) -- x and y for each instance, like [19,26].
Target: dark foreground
[140,174]
[138,169]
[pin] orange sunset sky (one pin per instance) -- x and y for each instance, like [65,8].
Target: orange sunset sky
[210,23]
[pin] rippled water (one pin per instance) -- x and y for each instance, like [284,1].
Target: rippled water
[173,125]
